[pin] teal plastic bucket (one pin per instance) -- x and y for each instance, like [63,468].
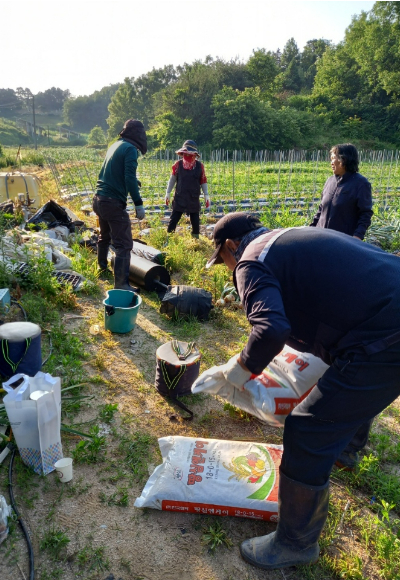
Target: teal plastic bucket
[121,308]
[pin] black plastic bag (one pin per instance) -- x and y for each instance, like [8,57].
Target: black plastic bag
[187,301]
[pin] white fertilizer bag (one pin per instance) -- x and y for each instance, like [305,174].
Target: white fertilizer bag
[273,394]
[214,477]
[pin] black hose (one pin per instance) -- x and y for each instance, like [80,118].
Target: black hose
[51,350]
[22,308]
[20,520]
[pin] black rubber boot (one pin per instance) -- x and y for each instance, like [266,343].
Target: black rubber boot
[349,458]
[303,510]
[121,274]
[102,254]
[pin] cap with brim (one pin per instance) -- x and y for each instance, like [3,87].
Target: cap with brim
[232,226]
[215,258]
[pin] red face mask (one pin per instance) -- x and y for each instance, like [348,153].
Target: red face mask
[189,161]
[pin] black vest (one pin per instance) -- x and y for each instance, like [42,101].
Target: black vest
[187,191]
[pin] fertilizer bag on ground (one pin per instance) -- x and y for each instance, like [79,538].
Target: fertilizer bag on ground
[215,477]
[273,394]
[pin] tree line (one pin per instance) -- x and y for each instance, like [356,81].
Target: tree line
[305,98]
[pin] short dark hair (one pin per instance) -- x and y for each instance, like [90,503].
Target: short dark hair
[347,155]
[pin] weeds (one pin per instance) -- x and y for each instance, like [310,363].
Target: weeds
[214,536]
[55,542]
[93,559]
[119,497]
[137,449]
[106,414]
[90,451]
[370,477]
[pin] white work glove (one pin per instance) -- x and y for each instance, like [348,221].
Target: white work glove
[234,373]
[167,198]
[207,200]
[214,378]
[211,381]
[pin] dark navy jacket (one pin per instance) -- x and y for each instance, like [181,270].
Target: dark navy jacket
[346,205]
[319,291]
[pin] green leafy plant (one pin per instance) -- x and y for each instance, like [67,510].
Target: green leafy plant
[214,536]
[90,451]
[107,413]
[55,542]
[137,451]
[92,559]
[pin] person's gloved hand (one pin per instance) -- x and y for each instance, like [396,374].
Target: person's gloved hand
[215,377]
[234,373]
[211,381]
[140,213]
[139,183]
[207,200]
[167,198]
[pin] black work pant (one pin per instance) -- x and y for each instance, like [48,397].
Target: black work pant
[347,397]
[176,216]
[115,224]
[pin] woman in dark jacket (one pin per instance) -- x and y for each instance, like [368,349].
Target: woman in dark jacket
[346,206]
[346,203]
[189,176]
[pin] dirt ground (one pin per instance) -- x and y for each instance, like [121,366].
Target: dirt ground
[145,544]
[137,544]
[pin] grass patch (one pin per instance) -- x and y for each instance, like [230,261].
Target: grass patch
[55,542]
[93,559]
[91,450]
[138,449]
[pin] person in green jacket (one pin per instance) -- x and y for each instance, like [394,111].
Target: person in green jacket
[116,180]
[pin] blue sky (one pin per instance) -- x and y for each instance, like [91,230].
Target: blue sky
[83,45]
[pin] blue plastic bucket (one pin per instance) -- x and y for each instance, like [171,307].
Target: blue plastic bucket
[120,310]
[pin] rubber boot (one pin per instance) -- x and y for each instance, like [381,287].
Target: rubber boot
[121,274]
[303,510]
[102,254]
[349,458]
[197,236]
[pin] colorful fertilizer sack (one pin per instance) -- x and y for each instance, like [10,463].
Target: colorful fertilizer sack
[273,394]
[215,477]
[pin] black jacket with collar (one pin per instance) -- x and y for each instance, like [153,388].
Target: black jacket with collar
[318,291]
[346,205]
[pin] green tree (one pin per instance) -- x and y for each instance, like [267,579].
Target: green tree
[360,78]
[51,100]
[263,69]
[243,120]
[136,98]
[83,113]
[96,136]
[290,78]
[191,96]
[169,131]
[312,52]
[9,103]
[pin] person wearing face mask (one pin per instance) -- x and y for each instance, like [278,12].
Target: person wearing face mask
[346,202]
[116,180]
[189,177]
[346,206]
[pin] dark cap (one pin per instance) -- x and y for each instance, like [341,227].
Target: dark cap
[231,227]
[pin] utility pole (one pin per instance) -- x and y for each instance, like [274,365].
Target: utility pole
[34,120]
